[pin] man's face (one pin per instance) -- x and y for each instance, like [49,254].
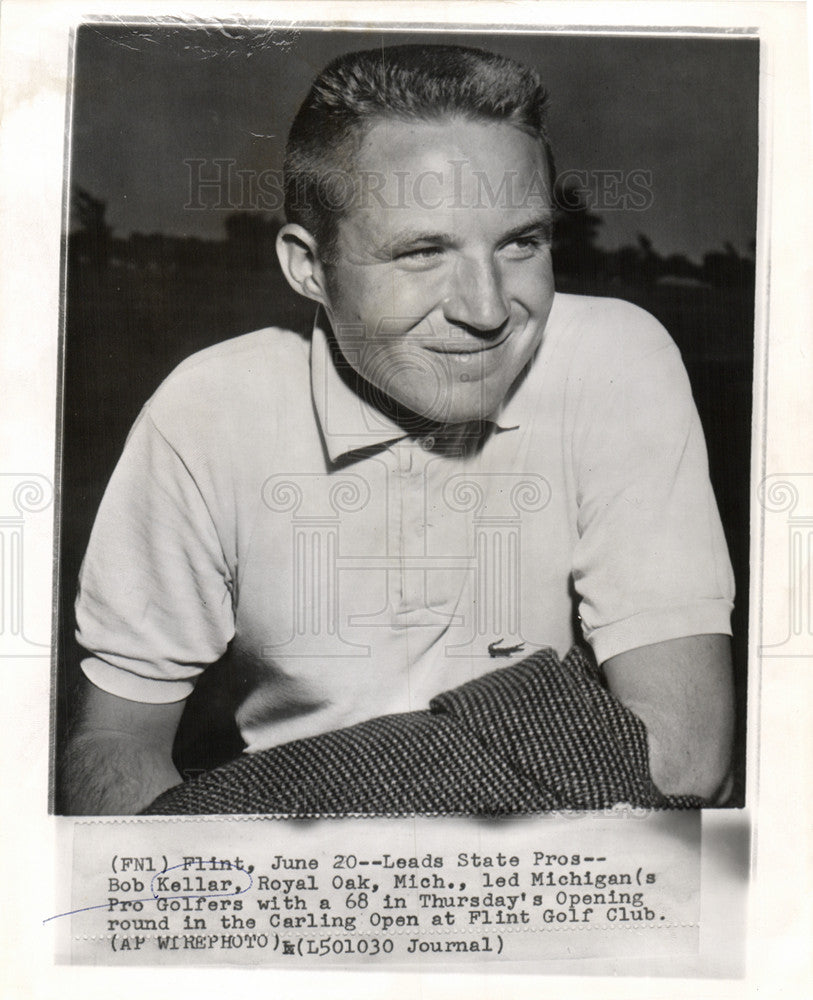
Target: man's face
[442,281]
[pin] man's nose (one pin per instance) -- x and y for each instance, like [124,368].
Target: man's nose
[476,298]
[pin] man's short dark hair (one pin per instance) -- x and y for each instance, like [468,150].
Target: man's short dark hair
[410,82]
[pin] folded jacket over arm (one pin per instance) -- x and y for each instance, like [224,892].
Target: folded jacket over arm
[539,735]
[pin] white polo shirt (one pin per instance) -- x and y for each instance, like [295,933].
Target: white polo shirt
[357,570]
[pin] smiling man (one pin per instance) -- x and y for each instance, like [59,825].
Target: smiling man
[461,464]
[452,254]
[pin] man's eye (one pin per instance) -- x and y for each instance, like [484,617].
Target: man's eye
[419,253]
[529,242]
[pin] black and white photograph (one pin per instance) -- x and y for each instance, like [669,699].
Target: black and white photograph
[406,422]
[405,499]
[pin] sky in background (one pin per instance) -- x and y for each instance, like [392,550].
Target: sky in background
[149,99]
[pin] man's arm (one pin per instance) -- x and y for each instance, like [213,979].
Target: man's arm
[682,690]
[538,735]
[119,755]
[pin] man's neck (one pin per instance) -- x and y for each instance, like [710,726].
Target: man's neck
[449,438]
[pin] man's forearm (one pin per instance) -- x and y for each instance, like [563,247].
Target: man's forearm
[108,772]
[682,690]
[119,756]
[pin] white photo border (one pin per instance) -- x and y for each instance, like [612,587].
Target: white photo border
[34,43]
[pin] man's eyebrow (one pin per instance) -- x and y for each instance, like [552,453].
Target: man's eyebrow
[542,225]
[403,239]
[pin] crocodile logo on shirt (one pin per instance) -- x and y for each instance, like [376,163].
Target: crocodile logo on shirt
[495,649]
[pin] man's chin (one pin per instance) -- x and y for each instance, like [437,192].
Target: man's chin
[468,408]
[464,403]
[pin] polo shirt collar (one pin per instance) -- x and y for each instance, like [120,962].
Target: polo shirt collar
[349,423]
[517,409]
[520,406]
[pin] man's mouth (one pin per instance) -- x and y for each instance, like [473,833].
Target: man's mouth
[468,349]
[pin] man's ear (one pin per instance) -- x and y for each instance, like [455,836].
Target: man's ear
[300,263]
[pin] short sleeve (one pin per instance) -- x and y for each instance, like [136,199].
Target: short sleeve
[650,562]
[154,605]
